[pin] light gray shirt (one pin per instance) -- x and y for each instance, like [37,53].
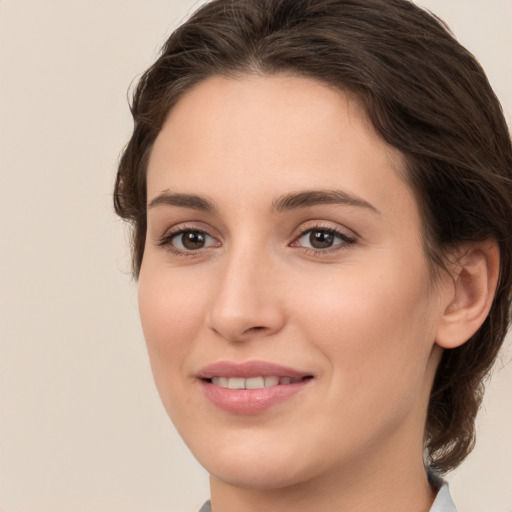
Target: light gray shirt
[442,503]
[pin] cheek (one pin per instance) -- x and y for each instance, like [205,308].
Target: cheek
[373,327]
[171,318]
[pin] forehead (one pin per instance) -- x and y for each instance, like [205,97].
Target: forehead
[273,134]
[261,106]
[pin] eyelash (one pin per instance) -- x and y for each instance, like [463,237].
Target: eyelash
[167,239]
[344,244]
[346,241]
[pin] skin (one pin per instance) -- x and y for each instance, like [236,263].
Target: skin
[361,316]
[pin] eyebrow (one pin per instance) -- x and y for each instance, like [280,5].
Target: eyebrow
[317,197]
[291,201]
[182,200]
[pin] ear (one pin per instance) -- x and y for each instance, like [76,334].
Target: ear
[474,277]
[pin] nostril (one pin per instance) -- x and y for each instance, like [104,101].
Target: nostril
[256,328]
[244,321]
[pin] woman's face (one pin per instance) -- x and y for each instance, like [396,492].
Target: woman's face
[284,257]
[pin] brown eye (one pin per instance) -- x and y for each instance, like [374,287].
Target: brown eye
[190,240]
[321,239]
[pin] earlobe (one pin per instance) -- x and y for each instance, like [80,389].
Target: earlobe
[474,280]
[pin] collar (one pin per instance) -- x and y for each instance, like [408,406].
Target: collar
[442,503]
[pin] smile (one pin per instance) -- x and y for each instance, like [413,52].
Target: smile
[253,382]
[251,387]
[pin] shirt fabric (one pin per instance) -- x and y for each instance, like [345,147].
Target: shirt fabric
[442,503]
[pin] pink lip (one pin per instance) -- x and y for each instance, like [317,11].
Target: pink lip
[248,369]
[250,401]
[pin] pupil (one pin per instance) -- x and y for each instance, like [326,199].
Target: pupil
[193,240]
[321,239]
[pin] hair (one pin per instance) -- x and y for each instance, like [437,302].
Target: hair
[424,93]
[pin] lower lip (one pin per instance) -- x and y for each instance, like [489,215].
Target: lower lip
[250,401]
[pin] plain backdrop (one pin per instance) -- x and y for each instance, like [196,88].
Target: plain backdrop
[81,425]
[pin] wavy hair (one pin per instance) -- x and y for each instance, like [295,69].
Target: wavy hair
[425,94]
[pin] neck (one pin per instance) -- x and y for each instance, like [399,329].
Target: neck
[389,479]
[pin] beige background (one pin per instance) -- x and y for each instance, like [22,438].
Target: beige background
[81,426]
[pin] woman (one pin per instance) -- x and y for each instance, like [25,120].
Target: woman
[320,193]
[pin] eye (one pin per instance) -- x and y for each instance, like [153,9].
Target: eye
[188,240]
[323,239]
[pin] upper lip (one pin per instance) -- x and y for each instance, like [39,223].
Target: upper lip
[248,369]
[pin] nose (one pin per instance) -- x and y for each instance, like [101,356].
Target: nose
[248,300]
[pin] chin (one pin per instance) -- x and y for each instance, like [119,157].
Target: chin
[254,467]
[261,477]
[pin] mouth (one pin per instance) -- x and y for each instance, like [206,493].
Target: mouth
[258,382]
[251,387]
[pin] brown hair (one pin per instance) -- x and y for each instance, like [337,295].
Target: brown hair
[424,93]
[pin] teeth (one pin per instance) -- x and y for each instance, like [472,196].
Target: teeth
[252,382]
[271,381]
[236,383]
[222,381]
